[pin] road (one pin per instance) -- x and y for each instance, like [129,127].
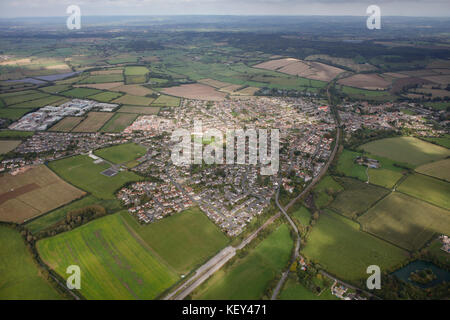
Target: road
[214,264]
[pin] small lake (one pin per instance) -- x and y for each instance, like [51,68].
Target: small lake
[404,273]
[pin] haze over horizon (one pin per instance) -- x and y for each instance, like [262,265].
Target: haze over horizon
[55,8]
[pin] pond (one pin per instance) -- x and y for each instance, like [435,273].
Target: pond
[405,272]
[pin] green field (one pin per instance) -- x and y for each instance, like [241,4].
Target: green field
[407,149]
[166,101]
[428,189]
[105,96]
[20,277]
[11,100]
[115,264]
[82,172]
[438,169]
[183,240]
[442,141]
[386,176]
[59,214]
[405,221]
[134,100]
[136,71]
[122,153]
[13,114]
[42,102]
[357,197]
[324,191]
[80,92]
[337,244]
[247,278]
[302,215]
[12,134]
[293,290]
[104,78]
[56,88]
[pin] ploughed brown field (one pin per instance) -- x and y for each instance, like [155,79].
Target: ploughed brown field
[93,122]
[195,91]
[32,193]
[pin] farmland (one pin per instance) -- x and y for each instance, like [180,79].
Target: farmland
[8,145]
[337,244]
[82,172]
[21,278]
[115,263]
[138,110]
[186,248]
[405,221]
[428,189]
[195,91]
[80,92]
[302,215]
[166,101]
[439,169]
[121,153]
[135,90]
[357,197]
[93,122]
[248,277]
[134,100]
[119,122]
[366,81]
[296,291]
[105,96]
[406,149]
[324,190]
[31,194]
[66,124]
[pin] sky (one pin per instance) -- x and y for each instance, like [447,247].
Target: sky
[47,8]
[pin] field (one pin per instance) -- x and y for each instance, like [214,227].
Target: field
[442,141]
[135,74]
[105,96]
[337,244]
[247,278]
[136,90]
[195,240]
[134,100]
[293,290]
[20,277]
[80,93]
[13,114]
[104,78]
[66,124]
[324,190]
[85,174]
[407,149]
[26,96]
[439,169]
[93,122]
[366,81]
[195,91]
[55,89]
[363,94]
[31,194]
[166,101]
[119,122]
[302,215]
[428,189]
[121,153]
[12,134]
[213,83]
[8,145]
[405,221]
[114,262]
[357,197]
[100,86]
[138,110]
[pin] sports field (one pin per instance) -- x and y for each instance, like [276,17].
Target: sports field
[196,238]
[32,193]
[337,244]
[119,122]
[122,153]
[85,174]
[405,221]
[438,169]
[115,264]
[247,278]
[357,197]
[407,149]
[20,277]
[428,189]
[93,122]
